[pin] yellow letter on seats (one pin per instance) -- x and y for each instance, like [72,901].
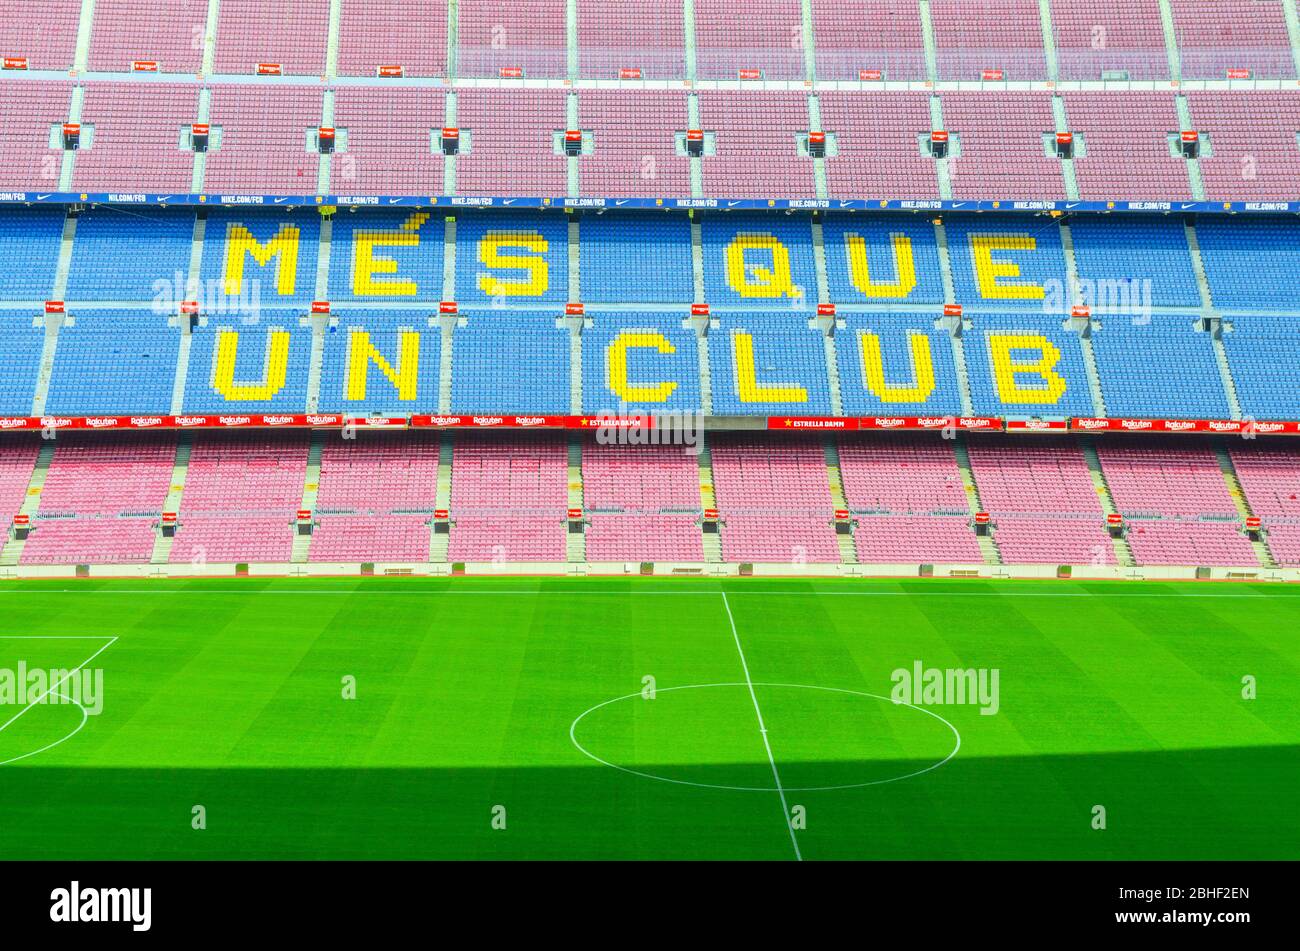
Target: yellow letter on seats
[283,247]
[405,377]
[747,385]
[1006,367]
[988,271]
[777,282]
[904,267]
[275,366]
[489,253]
[873,370]
[365,265]
[616,367]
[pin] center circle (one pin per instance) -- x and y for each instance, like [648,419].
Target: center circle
[849,738]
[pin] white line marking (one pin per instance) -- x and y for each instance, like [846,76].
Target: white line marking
[31,703]
[762,729]
[568,592]
[573,738]
[85,717]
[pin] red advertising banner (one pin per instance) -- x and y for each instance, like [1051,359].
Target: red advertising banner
[1037,425]
[268,69]
[1243,428]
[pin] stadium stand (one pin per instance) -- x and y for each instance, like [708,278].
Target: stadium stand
[642,503]
[1042,502]
[1270,477]
[906,495]
[635,148]
[774,499]
[20,364]
[1161,345]
[878,146]
[854,36]
[1250,263]
[411,34]
[264,131]
[29,252]
[1255,154]
[28,112]
[1176,500]
[768,364]
[1129,349]
[531,39]
[997,35]
[390,142]
[168,33]
[763,35]
[1132,262]
[119,254]
[1215,36]
[896,363]
[101,500]
[512,144]
[645,36]
[881,260]
[509,499]
[291,34]
[635,258]
[114,362]
[241,493]
[1264,355]
[509,361]
[757,142]
[1125,145]
[1109,37]
[643,361]
[380,363]
[45,34]
[1002,145]
[137,145]
[375,498]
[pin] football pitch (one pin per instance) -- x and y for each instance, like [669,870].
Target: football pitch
[648,718]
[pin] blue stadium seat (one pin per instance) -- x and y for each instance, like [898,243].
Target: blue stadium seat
[1034,380]
[114,363]
[121,255]
[636,258]
[386,255]
[852,240]
[671,381]
[517,259]
[788,370]
[905,386]
[1023,276]
[1264,356]
[510,361]
[758,260]
[254,383]
[416,389]
[20,365]
[29,252]
[1251,262]
[1160,367]
[286,243]
[1136,249]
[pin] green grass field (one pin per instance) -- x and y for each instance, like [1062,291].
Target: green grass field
[229,695]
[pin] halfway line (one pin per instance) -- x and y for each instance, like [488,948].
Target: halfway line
[762,729]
